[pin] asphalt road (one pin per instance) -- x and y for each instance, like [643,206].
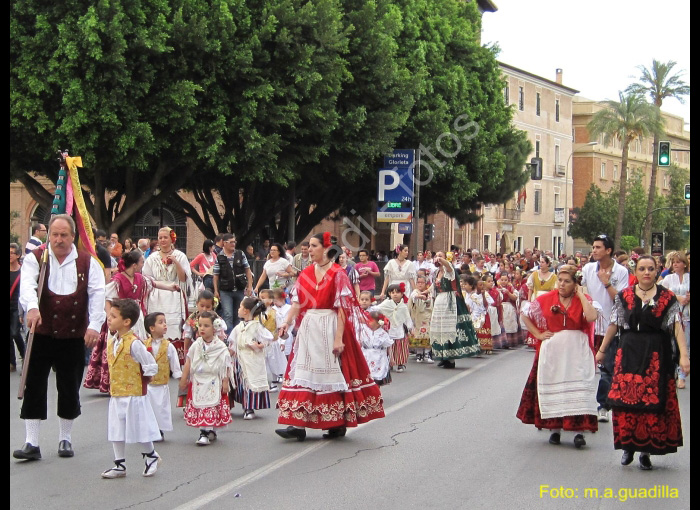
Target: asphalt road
[450,440]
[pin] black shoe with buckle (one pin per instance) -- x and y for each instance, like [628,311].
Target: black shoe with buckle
[27,452]
[555,438]
[65,449]
[292,432]
[579,441]
[335,432]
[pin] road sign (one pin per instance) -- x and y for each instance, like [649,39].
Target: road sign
[401,158]
[394,217]
[658,242]
[405,228]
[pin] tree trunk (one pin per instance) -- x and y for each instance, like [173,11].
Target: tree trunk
[623,194]
[646,236]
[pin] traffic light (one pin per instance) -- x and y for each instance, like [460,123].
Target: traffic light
[428,232]
[664,153]
[687,191]
[536,169]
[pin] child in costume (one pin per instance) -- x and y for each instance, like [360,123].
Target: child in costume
[275,360]
[397,312]
[165,355]
[420,305]
[131,418]
[247,343]
[206,302]
[206,375]
[282,308]
[375,341]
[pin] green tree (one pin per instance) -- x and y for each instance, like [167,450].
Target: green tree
[593,217]
[673,219]
[152,93]
[625,120]
[371,109]
[660,82]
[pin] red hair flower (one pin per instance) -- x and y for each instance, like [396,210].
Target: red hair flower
[402,288]
[326,239]
[173,236]
[121,267]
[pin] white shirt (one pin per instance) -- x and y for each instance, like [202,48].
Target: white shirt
[619,278]
[63,280]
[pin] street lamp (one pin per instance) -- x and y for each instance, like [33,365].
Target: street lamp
[566,191]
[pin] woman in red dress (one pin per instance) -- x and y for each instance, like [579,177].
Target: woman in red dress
[646,417]
[560,391]
[327,384]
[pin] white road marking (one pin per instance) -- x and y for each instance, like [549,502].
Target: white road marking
[270,468]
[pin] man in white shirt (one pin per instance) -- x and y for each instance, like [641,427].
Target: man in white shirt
[604,278]
[67,318]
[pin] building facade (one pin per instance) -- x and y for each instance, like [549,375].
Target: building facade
[601,164]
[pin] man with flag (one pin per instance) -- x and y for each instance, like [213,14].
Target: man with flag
[62,288]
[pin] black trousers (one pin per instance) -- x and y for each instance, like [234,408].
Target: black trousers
[67,355]
[15,337]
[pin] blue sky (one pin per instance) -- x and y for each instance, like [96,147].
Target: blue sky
[598,44]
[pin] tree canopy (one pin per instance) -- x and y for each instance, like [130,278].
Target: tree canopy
[258,106]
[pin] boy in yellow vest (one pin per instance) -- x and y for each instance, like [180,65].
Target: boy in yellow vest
[166,356]
[131,366]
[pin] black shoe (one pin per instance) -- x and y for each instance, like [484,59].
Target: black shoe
[65,449]
[644,462]
[579,441]
[555,438]
[449,364]
[335,432]
[292,432]
[627,458]
[442,363]
[28,452]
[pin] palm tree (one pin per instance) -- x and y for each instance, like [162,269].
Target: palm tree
[660,83]
[625,120]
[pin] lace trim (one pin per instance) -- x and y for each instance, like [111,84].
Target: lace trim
[319,386]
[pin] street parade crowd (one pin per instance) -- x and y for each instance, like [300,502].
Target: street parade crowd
[325,328]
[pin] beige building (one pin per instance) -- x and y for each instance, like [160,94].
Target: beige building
[534,218]
[600,164]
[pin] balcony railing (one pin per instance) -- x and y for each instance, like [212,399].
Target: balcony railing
[511,214]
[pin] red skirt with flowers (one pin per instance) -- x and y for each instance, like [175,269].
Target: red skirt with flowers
[215,416]
[360,403]
[529,409]
[657,433]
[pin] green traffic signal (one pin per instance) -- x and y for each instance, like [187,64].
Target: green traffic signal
[664,153]
[687,191]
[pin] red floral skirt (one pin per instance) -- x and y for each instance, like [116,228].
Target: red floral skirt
[655,433]
[529,409]
[215,416]
[97,376]
[360,403]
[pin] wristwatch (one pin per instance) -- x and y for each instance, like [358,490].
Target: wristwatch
[607,285]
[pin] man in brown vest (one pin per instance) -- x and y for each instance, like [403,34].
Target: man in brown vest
[68,318]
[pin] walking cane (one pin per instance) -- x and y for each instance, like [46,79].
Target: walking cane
[30,338]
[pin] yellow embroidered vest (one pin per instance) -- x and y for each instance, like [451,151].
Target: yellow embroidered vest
[125,378]
[163,375]
[271,322]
